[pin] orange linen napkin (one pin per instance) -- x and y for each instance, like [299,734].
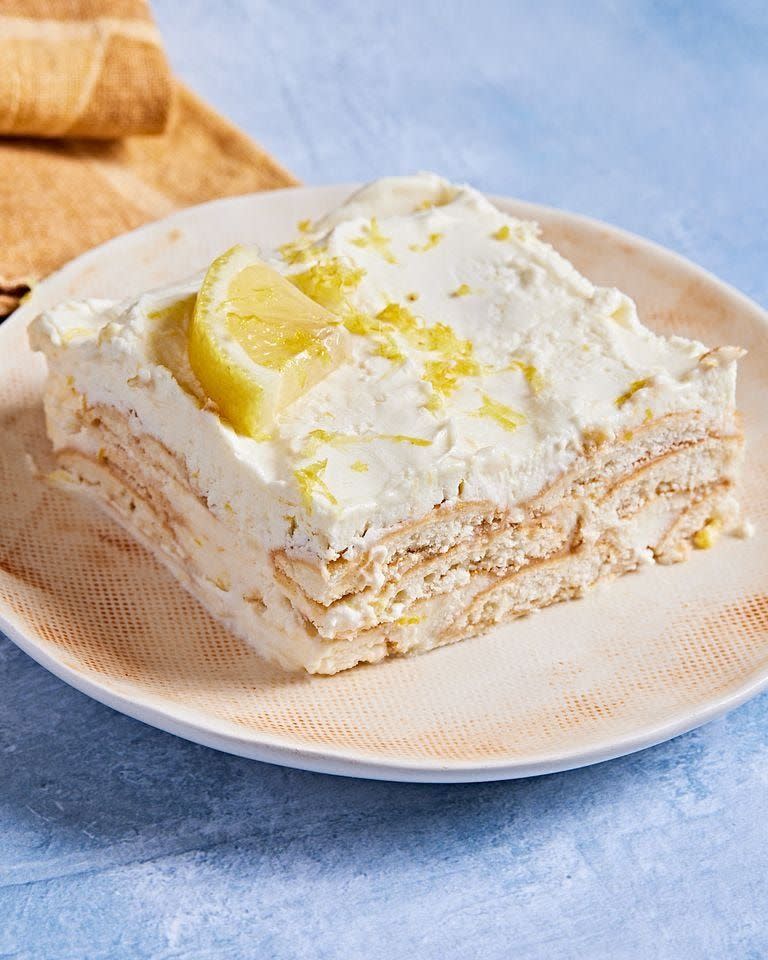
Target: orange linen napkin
[124,143]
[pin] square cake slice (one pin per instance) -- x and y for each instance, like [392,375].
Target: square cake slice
[432,424]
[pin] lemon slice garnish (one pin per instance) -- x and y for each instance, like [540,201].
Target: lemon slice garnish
[256,342]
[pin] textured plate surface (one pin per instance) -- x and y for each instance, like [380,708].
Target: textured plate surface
[650,656]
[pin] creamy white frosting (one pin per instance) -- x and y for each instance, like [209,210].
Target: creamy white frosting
[524,308]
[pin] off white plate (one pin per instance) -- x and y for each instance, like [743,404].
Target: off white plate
[652,655]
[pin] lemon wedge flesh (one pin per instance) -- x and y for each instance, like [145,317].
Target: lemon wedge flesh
[256,342]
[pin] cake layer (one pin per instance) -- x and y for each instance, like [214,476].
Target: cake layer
[483,601]
[499,545]
[610,523]
[598,468]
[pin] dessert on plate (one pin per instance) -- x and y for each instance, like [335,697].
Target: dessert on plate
[409,423]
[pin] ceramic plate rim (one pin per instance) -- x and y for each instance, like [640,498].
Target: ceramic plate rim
[334,760]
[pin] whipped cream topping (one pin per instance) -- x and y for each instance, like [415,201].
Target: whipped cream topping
[480,361]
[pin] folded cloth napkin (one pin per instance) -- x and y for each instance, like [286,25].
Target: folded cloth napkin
[124,142]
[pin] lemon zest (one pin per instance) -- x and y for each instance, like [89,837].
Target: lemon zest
[432,241]
[299,251]
[387,347]
[631,391]
[706,538]
[404,438]
[315,438]
[444,376]
[328,282]
[438,338]
[373,237]
[399,318]
[505,416]
[531,374]
[309,480]
[361,323]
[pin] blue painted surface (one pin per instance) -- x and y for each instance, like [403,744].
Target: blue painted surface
[118,841]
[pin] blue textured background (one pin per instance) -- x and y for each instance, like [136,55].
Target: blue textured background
[117,841]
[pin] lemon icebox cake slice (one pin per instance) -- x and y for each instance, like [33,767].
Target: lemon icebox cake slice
[413,421]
